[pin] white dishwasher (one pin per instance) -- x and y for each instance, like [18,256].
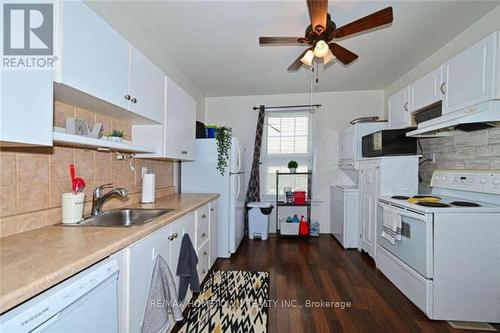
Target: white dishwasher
[86,302]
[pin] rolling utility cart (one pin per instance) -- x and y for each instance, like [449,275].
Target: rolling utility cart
[291,229]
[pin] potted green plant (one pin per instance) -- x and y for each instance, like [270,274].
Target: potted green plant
[292,165]
[116,136]
[223,138]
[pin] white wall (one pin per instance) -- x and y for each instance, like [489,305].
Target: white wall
[480,29]
[338,108]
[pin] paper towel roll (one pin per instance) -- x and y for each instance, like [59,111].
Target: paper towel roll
[148,188]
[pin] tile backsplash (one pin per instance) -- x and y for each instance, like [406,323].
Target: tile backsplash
[32,179]
[478,150]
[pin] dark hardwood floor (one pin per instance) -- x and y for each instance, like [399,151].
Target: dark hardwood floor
[321,270]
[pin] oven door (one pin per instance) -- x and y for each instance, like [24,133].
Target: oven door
[416,246]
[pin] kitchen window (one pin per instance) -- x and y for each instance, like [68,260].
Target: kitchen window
[287,136]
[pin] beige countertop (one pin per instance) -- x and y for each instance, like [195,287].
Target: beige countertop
[33,261]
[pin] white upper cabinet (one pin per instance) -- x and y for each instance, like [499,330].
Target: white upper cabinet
[180,123]
[398,107]
[93,58]
[469,77]
[348,145]
[147,87]
[175,139]
[426,91]
[26,107]
[97,61]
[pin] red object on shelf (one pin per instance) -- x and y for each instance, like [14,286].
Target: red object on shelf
[303,227]
[299,197]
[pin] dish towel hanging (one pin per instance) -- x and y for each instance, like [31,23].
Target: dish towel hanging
[162,299]
[186,268]
[253,191]
[391,228]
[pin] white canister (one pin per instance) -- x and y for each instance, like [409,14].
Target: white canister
[72,207]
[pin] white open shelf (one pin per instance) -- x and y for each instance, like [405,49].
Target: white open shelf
[84,141]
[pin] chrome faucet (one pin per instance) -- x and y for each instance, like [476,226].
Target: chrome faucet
[98,199]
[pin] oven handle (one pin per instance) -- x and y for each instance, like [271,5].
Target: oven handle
[404,212]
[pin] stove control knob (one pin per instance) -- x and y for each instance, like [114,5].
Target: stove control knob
[483,180]
[496,181]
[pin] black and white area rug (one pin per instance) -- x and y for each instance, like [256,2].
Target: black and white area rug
[230,301]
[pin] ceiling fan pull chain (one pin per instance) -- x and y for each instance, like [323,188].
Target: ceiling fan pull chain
[311,77]
[317,74]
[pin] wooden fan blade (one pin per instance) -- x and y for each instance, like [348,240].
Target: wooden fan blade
[297,63]
[342,54]
[318,10]
[371,21]
[281,40]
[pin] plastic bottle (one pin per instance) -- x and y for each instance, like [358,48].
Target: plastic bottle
[303,227]
[295,219]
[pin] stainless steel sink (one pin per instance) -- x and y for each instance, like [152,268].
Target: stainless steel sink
[123,217]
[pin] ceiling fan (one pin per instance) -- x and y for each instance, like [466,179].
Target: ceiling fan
[323,30]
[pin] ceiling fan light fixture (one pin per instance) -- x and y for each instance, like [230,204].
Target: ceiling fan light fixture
[308,58]
[328,57]
[321,49]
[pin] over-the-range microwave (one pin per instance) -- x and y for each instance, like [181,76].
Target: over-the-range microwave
[388,143]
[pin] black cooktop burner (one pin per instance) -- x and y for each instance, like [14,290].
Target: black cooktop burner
[465,204]
[400,197]
[425,196]
[433,204]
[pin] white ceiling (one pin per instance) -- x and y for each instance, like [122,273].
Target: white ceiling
[215,43]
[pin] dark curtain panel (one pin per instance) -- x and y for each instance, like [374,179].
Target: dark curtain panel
[253,191]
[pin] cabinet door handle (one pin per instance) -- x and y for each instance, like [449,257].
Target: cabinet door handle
[176,235]
[205,253]
[203,234]
[443,88]
[134,100]
[406,106]
[171,237]
[127,97]
[203,216]
[211,209]
[203,271]
[184,152]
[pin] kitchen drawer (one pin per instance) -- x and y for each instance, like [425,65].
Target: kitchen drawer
[413,285]
[203,260]
[202,217]
[202,235]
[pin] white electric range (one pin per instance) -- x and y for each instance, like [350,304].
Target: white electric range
[447,261]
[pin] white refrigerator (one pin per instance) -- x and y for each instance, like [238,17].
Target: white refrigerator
[201,176]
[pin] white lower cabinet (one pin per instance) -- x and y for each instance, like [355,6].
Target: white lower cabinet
[214,217]
[136,264]
[203,240]
[369,179]
[141,260]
